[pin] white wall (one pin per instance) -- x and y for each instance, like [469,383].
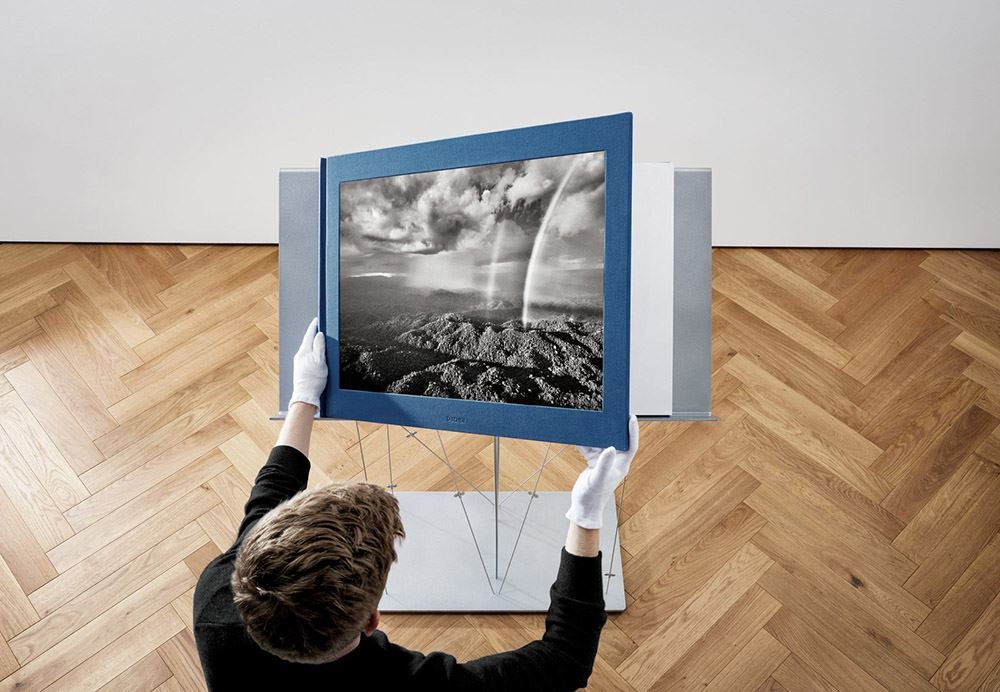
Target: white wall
[827,123]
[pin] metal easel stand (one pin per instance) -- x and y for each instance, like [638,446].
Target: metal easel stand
[443,562]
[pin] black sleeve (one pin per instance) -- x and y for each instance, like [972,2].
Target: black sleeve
[285,474]
[562,659]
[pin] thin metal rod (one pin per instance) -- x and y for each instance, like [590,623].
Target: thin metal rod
[614,544]
[388,449]
[459,494]
[536,472]
[444,460]
[364,467]
[496,505]
[476,543]
[524,519]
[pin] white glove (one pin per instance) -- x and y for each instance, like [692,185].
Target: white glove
[309,367]
[605,470]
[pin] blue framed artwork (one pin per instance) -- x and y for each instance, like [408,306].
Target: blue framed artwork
[481,284]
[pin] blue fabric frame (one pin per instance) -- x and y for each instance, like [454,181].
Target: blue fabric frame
[611,134]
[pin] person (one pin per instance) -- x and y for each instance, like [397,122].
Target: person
[294,601]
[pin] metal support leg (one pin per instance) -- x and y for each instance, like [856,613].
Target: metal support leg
[496,505]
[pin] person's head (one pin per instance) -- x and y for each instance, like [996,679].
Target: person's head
[309,576]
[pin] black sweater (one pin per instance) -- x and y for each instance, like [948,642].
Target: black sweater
[561,660]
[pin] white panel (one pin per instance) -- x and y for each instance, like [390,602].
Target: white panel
[651,341]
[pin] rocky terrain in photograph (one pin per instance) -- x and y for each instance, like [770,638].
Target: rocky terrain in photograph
[483,354]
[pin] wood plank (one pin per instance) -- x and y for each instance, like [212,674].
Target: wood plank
[247,263]
[20,549]
[681,631]
[759,262]
[807,427]
[122,653]
[96,334]
[799,261]
[61,622]
[137,510]
[197,367]
[984,351]
[849,267]
[897,611]
[990,401]
[773,460]
[82,341]
[116,310]
[928,472]
[687,574]
[968,274]
[181,324]
[43,458]
[935,519]
[745,295]
[22,309]
[720,643]
[12,358]
[166,255]
[796,676]
[959,547]
[175,359]
[908,366]
[897,663]
[767,288]
[103,630]
[812,651]
[966,312]
[850,545]
[181,656]
[171,685]
[919,397]
[8,664]
[973,658]
[194,406]
[878,351]
[55,418]
[656,469]
[128,487]
[81,401]
[660,513]
[710,509]
[827,385]
[965,601]
[133,273]
[142,676]
[18,334]
[891,270]
[221,526]
[29,498]
[900,458]
[20,299]
[752,666]
[183,605]
[16,611]
[122,550]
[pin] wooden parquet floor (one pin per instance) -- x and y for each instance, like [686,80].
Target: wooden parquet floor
[835,529]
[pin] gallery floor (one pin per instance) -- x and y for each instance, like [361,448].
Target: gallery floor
[835,529]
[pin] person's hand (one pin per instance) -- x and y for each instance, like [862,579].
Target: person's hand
[605,470]
[309,367]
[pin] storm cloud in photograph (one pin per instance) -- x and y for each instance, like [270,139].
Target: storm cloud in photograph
[481,283]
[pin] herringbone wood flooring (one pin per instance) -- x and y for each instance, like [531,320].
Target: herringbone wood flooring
[835,529]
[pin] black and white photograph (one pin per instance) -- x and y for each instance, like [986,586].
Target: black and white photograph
[482,283]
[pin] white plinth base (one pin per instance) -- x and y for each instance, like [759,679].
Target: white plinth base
[439,568]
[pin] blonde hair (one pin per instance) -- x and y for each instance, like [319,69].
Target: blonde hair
[310,574]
